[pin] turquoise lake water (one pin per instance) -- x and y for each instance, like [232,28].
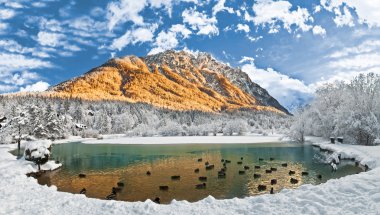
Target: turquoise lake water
[107,164]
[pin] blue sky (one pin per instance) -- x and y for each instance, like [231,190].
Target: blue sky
[288,47]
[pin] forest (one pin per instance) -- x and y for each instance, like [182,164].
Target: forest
[35,117]
[349,110]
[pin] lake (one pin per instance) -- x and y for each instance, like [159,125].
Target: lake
[105,165]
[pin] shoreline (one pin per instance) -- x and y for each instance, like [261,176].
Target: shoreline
[353,194]
[160,140]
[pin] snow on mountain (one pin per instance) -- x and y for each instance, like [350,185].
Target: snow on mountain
[173,80]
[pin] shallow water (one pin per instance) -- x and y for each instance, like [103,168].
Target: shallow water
[105,165]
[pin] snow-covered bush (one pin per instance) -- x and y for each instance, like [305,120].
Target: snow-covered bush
[90,133]
[171,129]
[197,130]
[235,126]
[38,152]
[143,130]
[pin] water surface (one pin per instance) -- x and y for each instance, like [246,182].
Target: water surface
[107,164]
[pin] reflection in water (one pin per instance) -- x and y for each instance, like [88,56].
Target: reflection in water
[106,165]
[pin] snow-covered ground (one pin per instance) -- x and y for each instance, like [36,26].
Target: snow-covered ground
[354,194]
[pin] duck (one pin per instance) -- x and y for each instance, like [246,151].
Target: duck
[268,171]
[239,162]
[200,159]
[148,173]
[82,175]
[221,174]
[273,169]
[284,165]
[271,190]
[222,160]
[293,181]
[241,158]
[261,187]
[246,167]
[206,163]
[227,161]
[273,181]
[163,187]
[83,191]
[241,172]
[111,196]
[256,175]
[257,167]
[291,172]
[157,200]
[176,177]
[271,159]
[116,189]
[120,184]
[200,186]
[202,178]
[304,173]
[209,167]
[196,170]
[319,176]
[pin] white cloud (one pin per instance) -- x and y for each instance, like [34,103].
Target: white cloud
[36,87]
[366,47]
[39,4]
[49,39]
[3,27]
[123,11]
[19,79]
[17,62]
[272,13]
[7,88]
[318,30]
[97,11]
[317,9]
[166,40]
[345,64]
[15,5]
[243,27]
[343,18]
[220,6]
[359,62]
[181,29]
[126,10]
[7,13]
[201,22]
[245,59]
[288,91]
[368,11]
[255,39]
[139,35]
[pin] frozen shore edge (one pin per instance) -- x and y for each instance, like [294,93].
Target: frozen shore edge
[353,194]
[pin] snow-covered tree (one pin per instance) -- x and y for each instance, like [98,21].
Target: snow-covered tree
[38,152]
[351,110]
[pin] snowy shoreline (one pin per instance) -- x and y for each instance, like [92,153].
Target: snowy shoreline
[248,139]
[353,194]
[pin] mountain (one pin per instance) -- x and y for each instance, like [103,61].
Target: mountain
[173,80]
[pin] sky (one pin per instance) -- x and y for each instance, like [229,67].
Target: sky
[288,47]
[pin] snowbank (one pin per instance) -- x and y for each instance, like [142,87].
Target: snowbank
[354,194]
[185,139]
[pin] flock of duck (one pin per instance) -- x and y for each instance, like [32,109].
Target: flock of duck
[221,174]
